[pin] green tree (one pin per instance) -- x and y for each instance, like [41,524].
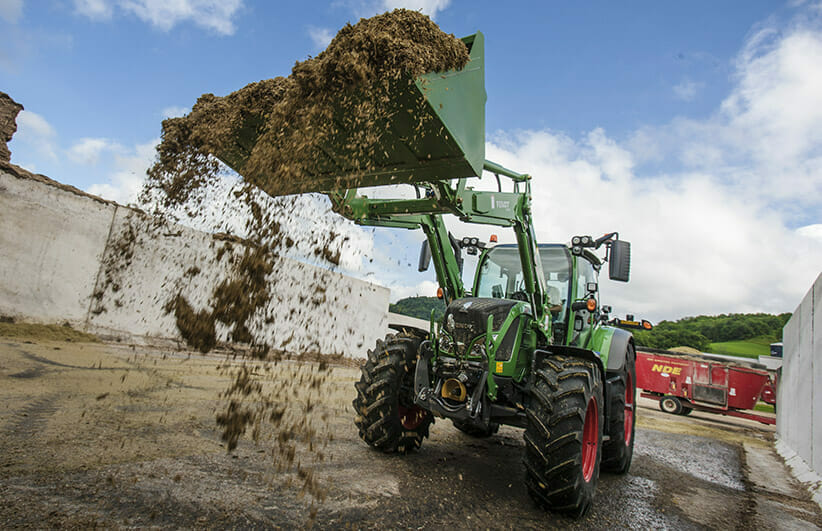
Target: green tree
[419,307]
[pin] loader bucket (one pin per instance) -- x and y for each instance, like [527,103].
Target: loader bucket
[436,131]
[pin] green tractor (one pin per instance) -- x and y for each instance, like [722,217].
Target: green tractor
[528,346]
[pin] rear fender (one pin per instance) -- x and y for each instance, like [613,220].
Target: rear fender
[612,343]
[412,330]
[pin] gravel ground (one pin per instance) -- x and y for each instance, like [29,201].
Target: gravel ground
[120,436]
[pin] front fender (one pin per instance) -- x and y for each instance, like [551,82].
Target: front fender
[612,344]
[574,352]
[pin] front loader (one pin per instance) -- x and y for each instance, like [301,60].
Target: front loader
[527,345]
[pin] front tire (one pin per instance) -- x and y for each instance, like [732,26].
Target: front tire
[618,452]
[563,439]
[387,417]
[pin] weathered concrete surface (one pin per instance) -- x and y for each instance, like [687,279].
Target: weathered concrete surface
[65,258]
[799,420]
[404,320]
[115,436]
[52,244]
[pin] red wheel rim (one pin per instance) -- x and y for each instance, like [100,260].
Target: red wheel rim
[629,409]
[590,440]
[411,417]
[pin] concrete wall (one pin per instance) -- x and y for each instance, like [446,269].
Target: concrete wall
[52,242]
[104,268]
[404,320]
[799,418]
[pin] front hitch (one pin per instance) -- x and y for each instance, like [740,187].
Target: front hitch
[475,410]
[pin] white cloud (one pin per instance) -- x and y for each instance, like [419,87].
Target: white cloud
[174,111]
[367,8]
[321,37]
[129,174]
[811,231]
[215,15]
[94,9]
[35,131]
[687,90]
[88,150]
[426,288]
[11,10]
[766,137]
[429,7]
[711,230]
[698,246]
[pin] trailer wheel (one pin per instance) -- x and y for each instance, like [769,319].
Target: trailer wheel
[563,437]
[618,451]
[670,404]
[686,410]
[387,417]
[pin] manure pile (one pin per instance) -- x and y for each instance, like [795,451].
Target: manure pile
[8,124]
[290,118]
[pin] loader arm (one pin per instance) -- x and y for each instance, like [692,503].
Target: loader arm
[504,209]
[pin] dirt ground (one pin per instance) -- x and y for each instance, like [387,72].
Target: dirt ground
[112,435]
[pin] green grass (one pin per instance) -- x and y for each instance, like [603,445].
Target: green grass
[762,406]
[750,348]
[50,332]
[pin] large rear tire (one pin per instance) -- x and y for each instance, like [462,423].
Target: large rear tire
[618,451]
[387,417]
[563,439]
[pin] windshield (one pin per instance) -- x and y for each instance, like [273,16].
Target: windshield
[500,276]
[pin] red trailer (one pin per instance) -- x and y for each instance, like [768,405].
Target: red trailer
[684,382]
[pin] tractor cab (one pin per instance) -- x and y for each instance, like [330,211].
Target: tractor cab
[499,275]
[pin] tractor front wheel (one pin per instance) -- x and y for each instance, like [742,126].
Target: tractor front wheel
[387,417]
[563,438]
[618,451]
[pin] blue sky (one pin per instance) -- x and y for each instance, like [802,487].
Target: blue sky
[692,128]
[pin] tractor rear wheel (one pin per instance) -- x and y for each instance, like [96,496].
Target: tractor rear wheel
[563,438]
[473,431]
[618,451]
[387,417]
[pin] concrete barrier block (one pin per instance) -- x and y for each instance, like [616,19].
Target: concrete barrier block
[52,241]
[816,361]
[311,309]
[146,265]
[791,373]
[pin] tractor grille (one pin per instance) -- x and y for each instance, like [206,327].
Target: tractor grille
[467,318]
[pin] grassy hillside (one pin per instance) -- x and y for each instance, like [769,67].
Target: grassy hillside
[419,307]
[734,334]
[751,348]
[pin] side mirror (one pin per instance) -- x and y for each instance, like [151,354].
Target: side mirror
[425,256]
[619,261]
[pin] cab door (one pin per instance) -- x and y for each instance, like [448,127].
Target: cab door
[583,321]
